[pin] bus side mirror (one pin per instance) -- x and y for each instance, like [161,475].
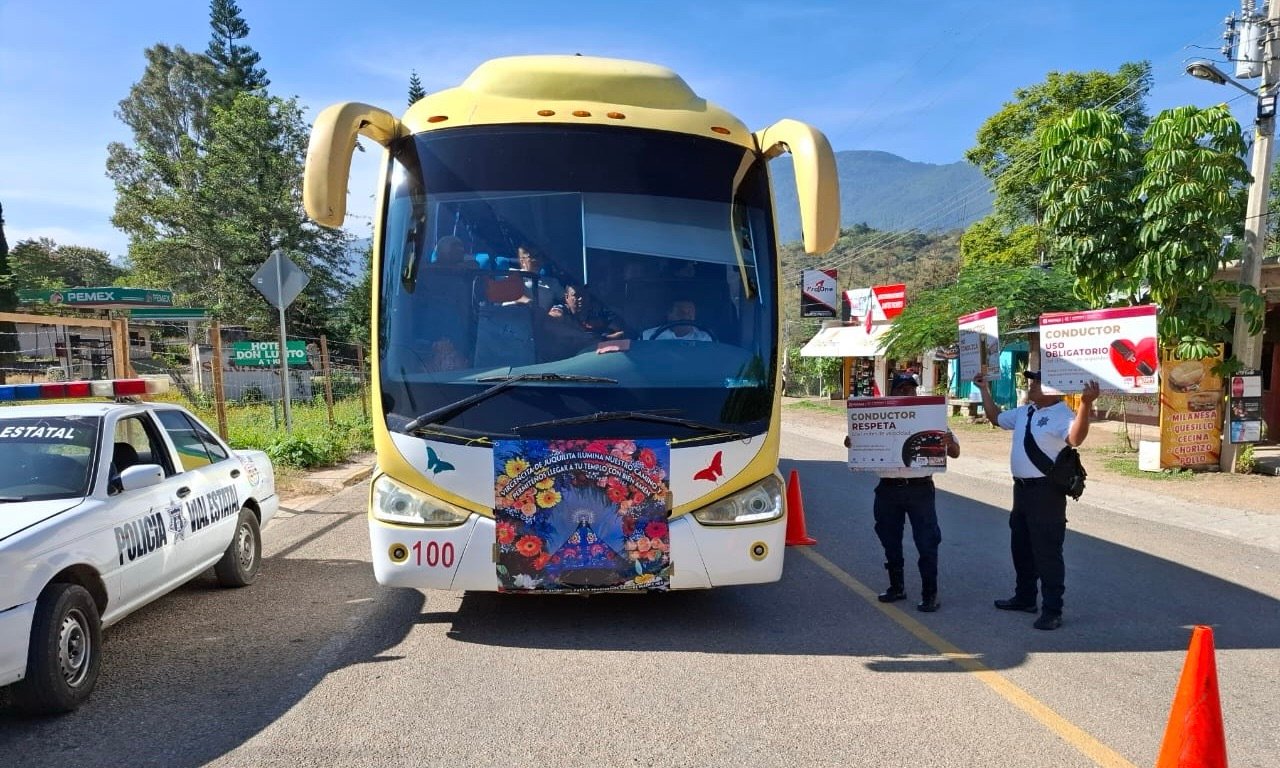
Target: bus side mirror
[817,185]
[333,139]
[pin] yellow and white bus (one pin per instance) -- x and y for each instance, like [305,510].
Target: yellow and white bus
[576,328]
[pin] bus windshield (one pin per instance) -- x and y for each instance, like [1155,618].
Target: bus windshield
[634,266]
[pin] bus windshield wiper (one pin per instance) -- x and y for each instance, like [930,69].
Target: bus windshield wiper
[446,412]
[656,418]
[11,499]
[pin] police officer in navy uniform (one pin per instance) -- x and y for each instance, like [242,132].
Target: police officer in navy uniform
[908,494]
[1038,521]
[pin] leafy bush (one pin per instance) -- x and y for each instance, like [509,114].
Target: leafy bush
[1246,462]
[295,451]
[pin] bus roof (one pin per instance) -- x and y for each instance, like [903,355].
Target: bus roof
[576,90]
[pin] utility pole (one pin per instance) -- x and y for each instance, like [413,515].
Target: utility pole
[1246,346]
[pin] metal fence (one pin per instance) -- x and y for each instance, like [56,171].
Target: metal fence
[196,356]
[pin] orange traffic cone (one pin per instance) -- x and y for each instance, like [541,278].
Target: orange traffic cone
[1194,735]
[797,536]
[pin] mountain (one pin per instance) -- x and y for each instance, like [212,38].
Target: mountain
[891,193]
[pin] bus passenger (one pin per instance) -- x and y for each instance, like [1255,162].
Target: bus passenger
[578,309]
[452,252]
[543,286]
[444,357]
[681,324]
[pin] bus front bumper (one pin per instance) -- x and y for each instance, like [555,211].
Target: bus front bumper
[462,557]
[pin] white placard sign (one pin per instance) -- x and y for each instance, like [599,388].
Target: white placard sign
[818,297]
[979,343]
[895,433]
[1115,347]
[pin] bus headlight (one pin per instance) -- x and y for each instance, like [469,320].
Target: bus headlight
[395,503]
[757,504]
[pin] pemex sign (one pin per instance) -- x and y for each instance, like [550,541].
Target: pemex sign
[103,297]
[263,354]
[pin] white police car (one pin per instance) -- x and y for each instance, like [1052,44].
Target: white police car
[103,508]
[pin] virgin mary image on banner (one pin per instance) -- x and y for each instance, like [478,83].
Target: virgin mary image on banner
[582,515]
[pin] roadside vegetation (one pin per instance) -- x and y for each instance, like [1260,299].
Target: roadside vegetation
[313,441]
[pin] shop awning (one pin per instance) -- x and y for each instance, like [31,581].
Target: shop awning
[846,341]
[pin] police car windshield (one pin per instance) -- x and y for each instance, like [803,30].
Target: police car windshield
[47,458]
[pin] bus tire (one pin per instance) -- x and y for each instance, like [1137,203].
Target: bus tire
[240,563]
[65,653]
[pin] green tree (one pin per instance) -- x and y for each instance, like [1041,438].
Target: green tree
[236,64]
[355,317]
[249,204]
[1273,214]
[42,264]
[1090,165]
[416,90]
[8,303]
[1022,295]
[1008,143]
[1160,230]
[167,113]
[987,241]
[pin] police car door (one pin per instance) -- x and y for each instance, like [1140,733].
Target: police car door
[149,524]
[212,506]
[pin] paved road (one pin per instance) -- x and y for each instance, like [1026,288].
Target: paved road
[316,666]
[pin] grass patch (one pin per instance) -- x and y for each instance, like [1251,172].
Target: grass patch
[962,424]
[832,406]
[1127,464]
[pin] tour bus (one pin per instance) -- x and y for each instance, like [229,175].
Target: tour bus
[576,328]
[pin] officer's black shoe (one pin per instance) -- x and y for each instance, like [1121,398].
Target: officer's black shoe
[1014,604]
[893,594]
[928,604]
[1048,620]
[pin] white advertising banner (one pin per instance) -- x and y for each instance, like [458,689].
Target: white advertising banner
[979,343]
[893,433]
[1115,347]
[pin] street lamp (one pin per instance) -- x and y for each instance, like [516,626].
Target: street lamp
[1205,70]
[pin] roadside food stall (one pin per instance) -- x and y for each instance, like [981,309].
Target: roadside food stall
[865,370]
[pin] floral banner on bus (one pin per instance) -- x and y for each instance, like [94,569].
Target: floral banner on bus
[582,515]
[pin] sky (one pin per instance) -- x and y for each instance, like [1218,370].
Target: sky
[868,74]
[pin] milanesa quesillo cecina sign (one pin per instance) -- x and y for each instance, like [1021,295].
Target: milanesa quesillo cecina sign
[1190,412]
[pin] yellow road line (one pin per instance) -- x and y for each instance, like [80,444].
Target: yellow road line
[1087,745]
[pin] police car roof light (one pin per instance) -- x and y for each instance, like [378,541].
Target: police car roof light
[124,387]
[58,390]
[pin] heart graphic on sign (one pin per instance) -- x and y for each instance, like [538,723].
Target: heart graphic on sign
[1134,359]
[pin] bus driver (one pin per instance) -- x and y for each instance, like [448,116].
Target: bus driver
[681,324]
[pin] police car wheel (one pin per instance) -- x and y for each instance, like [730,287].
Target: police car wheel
[239,564]
[65,654]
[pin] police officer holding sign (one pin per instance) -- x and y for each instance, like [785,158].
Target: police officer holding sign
[1038,522]
[908,494]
